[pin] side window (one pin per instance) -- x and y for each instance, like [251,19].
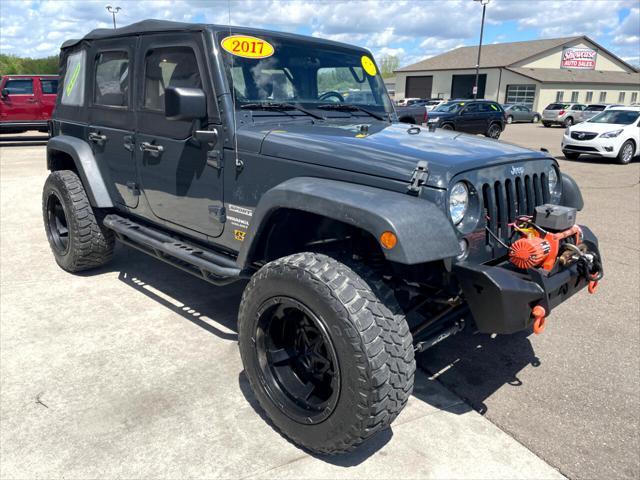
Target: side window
[74,79]
[20,86]
[490,107]
[472,108]
[49,86]
[168,67]
[112,79]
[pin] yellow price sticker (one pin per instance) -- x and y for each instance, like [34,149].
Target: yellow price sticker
[247,47]
[368,65]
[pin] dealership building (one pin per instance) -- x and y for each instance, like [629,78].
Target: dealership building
[536,73]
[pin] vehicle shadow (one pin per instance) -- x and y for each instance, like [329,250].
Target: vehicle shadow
[592,159]
[474,366]
[8,140]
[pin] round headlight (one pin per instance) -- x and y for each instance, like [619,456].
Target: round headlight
[458,202]
[552,180]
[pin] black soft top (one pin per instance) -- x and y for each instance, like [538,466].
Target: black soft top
[157,26]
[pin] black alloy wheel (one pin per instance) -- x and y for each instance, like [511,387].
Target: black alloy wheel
[57,226]
[494,131]
[298,363]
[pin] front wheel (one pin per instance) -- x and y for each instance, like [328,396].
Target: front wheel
[76,235]
[509,119]
[625,155]
[535,119]
[447,126]
[494,131]
[568,122]
[328,356]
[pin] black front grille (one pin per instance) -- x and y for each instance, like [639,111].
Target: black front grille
[583,135]
[505,200]
[581,148]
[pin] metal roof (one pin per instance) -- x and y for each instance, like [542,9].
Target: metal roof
[498,55]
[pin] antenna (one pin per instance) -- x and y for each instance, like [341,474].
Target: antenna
[239,163]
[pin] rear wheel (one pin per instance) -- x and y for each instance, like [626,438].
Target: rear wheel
[326,354]
[494,131]
[546,124]
[75,232]
[570,155]
[626,153]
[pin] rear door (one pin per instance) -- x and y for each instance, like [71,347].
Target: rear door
[178,182]
[470,119]
[49,91]
[21,101]
[111,116]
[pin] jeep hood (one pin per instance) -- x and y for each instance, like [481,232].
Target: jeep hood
[384,150]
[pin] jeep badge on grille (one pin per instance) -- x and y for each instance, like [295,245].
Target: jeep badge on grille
[517,170]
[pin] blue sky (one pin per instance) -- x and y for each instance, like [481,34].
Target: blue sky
[409,29]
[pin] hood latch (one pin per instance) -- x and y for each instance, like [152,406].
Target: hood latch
[418,177]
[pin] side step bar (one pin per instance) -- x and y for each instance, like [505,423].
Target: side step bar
[210,266]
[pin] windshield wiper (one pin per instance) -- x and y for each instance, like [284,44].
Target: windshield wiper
[349,107]
[280,106]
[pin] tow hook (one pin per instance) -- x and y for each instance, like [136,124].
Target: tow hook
[539,314]
[593,285]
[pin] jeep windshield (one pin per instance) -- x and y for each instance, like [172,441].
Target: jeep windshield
[332,81]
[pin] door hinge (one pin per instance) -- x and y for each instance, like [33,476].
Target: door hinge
[214,159]
[218,212]
[133,188]
[418,177]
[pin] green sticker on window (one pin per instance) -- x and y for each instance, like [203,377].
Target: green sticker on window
[494,107]
[72,80]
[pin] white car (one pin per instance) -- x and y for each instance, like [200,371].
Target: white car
[405,101]
[614,133]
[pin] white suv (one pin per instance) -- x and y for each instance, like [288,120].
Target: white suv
[614,133]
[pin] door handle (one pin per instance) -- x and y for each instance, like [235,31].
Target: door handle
[32,100]
[97,138]
[154,150]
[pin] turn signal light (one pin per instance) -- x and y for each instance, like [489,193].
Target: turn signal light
[388,240]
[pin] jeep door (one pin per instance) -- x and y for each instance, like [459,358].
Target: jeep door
[179,184]
[111,116]
[21,101]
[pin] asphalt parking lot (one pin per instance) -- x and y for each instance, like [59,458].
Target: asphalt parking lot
[133,371]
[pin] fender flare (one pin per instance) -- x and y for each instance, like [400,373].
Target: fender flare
[424,232]
[571,195]
[86,165]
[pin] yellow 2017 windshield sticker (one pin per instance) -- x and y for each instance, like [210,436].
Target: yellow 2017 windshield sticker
[247,47]
[368,65]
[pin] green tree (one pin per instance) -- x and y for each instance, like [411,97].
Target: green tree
[14,65]
[388,63]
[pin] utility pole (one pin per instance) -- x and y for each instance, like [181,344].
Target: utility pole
[475,85]
[114,10]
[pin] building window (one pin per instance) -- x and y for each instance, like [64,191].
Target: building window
[634,97]
[524,94]
[621,96]
[603,96]
[574,97]
[559,96]
[589,97]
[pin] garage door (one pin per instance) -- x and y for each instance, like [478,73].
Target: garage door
[521,94]
[462,85]
[418,87]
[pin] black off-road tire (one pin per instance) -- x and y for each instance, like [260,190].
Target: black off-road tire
[368,333]
[89,244]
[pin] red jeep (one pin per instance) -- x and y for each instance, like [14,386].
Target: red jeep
[26,102]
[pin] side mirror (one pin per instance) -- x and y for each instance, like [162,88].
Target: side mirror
[181,103]
[5,92]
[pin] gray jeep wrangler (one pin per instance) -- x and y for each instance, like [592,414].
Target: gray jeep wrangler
[236,153]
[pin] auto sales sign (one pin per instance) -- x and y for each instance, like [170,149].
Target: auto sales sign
[578,57]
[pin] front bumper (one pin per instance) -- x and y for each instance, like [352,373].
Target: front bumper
[501,298]
[602,147]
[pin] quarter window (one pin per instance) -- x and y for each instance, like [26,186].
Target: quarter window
[589,97]
[574,96]
[74,79]
[559,96]
[621,96]
[168,67]
[112,79]
[603,96]
[49,86]
[22,86]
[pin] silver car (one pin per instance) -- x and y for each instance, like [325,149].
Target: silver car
[520,113]
[559,113]
[595,108]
